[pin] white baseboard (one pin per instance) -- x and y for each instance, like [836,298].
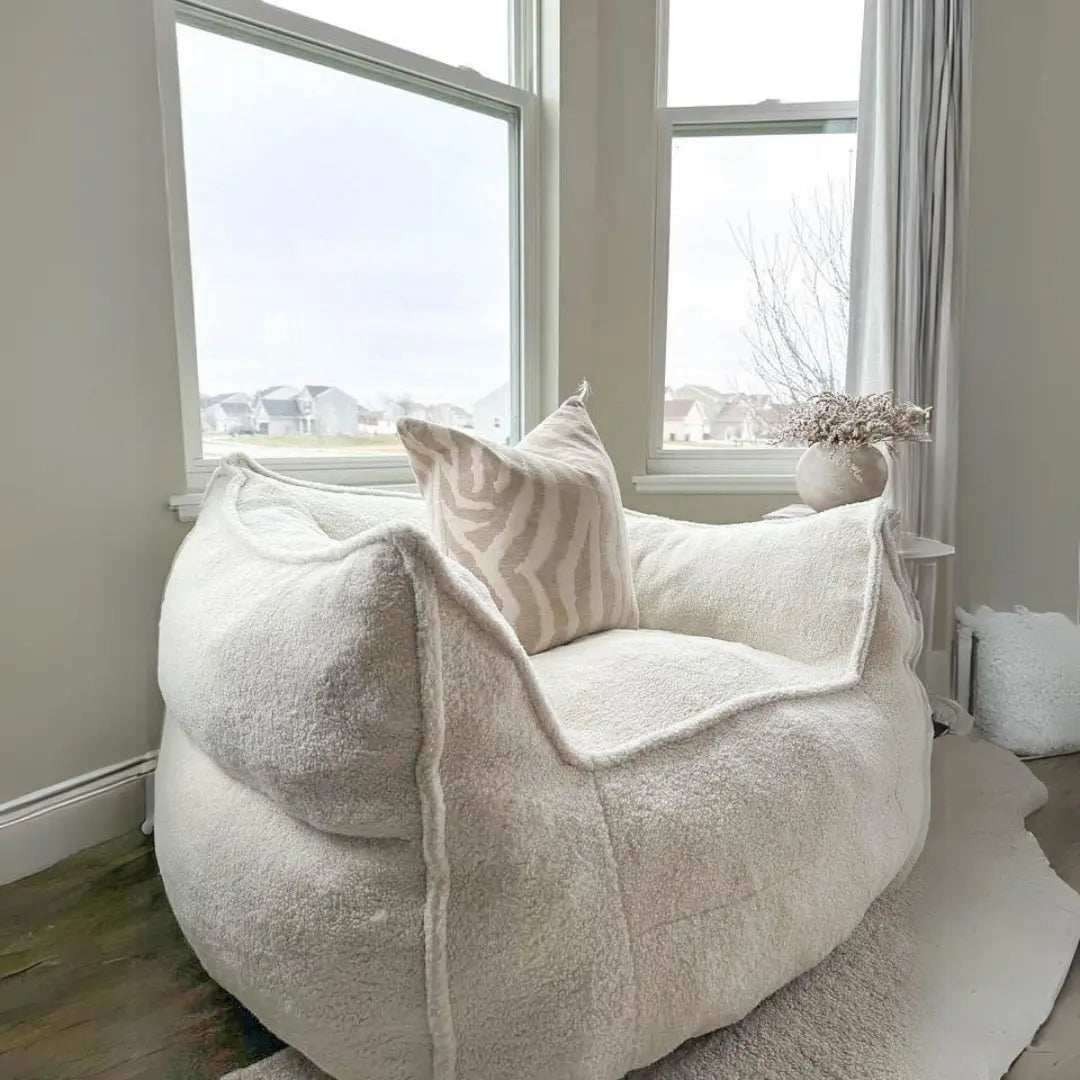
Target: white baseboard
[43,827]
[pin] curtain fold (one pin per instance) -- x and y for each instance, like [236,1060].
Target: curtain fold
[908,251]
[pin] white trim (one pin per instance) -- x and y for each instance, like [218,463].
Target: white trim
[44,826]
[526,244]
[549,88]
[524,45]
[76,788]
[707,117]
[728,460]
[373,468]
[531,359]
[186,506]
[724,469]
[168,68]
[516,170]
[661,262]
[663,25]
[714,484]
[288,32]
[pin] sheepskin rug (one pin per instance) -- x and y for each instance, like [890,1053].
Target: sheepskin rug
[949,975]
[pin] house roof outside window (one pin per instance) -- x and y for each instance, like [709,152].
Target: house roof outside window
[681,409]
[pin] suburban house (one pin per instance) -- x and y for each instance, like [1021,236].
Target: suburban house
[373,422]
[277,416]
[711,399]
[733,423]
[228,414]
[308,410]
[684,420]
[732,416]
[402,408]
[491,415]
[449,415]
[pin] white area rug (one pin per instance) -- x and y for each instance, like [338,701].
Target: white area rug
[948,977]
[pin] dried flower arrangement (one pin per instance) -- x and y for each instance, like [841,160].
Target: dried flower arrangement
[839,421]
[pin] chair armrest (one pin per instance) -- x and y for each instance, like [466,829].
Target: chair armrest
[805,589]
[468,653]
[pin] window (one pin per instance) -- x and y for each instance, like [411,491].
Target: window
[467,33]
[349,227]
[757,164]
[723,52]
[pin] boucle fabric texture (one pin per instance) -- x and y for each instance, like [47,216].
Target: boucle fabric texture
[414,852]
[948,976]
[1026,679]
[541,523]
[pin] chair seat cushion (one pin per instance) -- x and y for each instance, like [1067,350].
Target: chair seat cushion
[620,686]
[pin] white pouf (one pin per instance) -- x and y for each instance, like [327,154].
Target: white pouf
[1026,679]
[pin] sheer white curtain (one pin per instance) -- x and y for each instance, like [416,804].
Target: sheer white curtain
[907,250]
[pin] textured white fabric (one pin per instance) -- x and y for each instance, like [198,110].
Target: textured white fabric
[370,794]
[805,590]
[948,977]
[1026,679]
[540,523]
[638,681]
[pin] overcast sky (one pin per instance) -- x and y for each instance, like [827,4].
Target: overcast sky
[349,233]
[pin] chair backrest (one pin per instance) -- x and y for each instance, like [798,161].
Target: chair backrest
[339,512]
[288,648]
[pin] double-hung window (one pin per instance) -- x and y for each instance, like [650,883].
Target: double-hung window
[352,201]
[757,119]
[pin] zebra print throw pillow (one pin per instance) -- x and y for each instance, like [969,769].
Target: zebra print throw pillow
[540,523]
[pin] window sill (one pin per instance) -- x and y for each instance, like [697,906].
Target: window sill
[715,484]
[186,507]
[758,470]
[393,478]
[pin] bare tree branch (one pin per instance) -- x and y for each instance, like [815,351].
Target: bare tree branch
[797,326]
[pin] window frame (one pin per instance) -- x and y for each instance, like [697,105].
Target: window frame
[724,469]
[264,25]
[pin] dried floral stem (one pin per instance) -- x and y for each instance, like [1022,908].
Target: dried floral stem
[840,421]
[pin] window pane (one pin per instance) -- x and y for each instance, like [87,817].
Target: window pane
[350,254]
[757,281]
[465,33]
[730,52]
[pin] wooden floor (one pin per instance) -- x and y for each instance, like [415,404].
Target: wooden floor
[96,980]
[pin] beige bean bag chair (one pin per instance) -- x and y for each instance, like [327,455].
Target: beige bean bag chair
[416,853]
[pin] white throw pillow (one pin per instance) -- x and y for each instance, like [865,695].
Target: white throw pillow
[540,523]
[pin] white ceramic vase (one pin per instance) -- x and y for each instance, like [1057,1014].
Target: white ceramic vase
[837,475]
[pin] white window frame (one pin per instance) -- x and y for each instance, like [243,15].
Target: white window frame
[722,470]
[262,24]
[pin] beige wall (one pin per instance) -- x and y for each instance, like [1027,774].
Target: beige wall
[90,435]
[1019,501]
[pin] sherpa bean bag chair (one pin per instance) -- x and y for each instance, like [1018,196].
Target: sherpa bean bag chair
[417,853]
